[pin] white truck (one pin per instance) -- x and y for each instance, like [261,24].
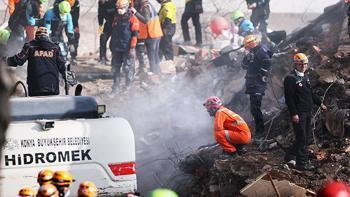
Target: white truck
[67,133]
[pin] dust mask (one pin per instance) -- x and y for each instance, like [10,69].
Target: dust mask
[122,11]
[63,17]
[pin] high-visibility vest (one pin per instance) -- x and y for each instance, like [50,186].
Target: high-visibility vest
[167,10]
[152,29]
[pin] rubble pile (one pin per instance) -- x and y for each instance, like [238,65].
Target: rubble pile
[327,44]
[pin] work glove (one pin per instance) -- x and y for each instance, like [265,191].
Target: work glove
[133,10]
[100,29]
[76,30]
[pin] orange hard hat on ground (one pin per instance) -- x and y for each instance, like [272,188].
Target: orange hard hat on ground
[334,189]
[87,189]
[47,190]
[62,178]
[219,24]
[26,192]
[45,176]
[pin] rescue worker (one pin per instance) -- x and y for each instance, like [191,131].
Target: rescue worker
[45,176]
[257,62]
[4,37]
[105,15]
[123,42]
[167,17]
[24,16]
[87,189]
[62,180]
[162,193]
[26,192]
[230,130]
[56,19]
[150,32]
[193,9]
[245,26]
[75,12]
[44,63]
[300,99]
[47,190]
[260,13]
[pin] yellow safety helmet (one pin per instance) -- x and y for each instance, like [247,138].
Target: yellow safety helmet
[47,190]
[300,58]
[62,178]
[26,192]
[122,4]
[250,41]
[71,2]
[87,189]
[45,176]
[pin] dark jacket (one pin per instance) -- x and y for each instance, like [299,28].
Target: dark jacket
[298,94]
[75,12]
[24,14]
[44,63]
[105,12]
[258,65]
[123,31]
[262,7]
[194,6]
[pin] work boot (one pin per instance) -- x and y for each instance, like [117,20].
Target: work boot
[102,61]
[305,166]
[226,155]
[241,150]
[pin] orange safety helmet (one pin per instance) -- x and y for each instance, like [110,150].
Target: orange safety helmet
[122,4]
[26,192]
[71,2]
[212,102]
[45,176]
[250,42]
[334,189]
[87,189]
[300,58]
[47,190]
[218,25]
[62,178]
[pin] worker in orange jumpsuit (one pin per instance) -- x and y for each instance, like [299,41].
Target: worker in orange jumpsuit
[230,130]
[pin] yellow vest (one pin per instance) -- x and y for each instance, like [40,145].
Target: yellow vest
[167,10]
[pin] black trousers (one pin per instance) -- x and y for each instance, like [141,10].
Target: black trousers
[255,110]
[197,26]
[140,54]
[348,13]
[75,43]
[259,19]
[107,32]
[126,60]
[302,132]
[166,45]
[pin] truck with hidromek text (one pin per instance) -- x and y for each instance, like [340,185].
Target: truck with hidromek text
[67,133]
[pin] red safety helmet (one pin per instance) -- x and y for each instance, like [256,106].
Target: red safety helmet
[218,24]
[334,189]
[212,102]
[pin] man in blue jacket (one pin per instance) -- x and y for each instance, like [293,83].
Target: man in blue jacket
[55,20]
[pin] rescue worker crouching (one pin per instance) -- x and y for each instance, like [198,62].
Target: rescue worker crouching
[300,99]
[56,19]
[62,180]
[245,26]
[230,130]
[123,42]
[45,62]
[167,17]
[257,62]
[87,189]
